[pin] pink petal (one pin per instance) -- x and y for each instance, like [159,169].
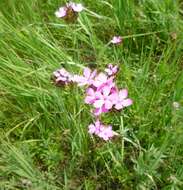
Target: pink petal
[104,110]
[116,40]
[115,68]
[113,98]
[89,100]
[111,70]
[86,72]
[106,90]
[97,123]
[110,66]
[127,102]
[63,72]
[91,129]
[61,79]
[100,79]
[77,7]
[118,106]
[98,95]
[114,90]
[96,83]
[108,104]
[108,71]
[123,94]
[106,138]
[110,82]
[61,12]
[81,81]
[106,133]
[90,92]
[97,111]
[56,74]
[93,74]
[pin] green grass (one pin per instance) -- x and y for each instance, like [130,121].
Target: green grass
[44,142]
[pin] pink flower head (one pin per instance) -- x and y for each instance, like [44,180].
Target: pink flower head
[111,70]
[102,80]
[62,76]
[62,11]
[95,128]
[73,7]
[87,78]
[104,100]
[121,100]
[77,7]
[99,111]
[116,40]
[90,96]
[106,133]
[102,131]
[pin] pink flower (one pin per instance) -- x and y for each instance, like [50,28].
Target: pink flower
[102,80]
[111,70]
[121,99]
[87,78]
[64,11]
[104,100]
[116,40]
[62,76]
[106,133]
[61,12]
[90,96]
[99,111]
[77,7]
[101,94]
[95,128]
[102,131]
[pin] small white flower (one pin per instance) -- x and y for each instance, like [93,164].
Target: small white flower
[176,105]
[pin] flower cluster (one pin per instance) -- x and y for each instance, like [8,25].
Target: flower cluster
[101,93]
[69,11]
[62,77]
[104,132]
[116,40]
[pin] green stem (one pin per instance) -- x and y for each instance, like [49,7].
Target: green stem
[122,141]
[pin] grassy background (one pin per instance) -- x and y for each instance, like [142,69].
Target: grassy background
[44,142]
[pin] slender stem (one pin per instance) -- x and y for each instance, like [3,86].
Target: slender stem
[122,141]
